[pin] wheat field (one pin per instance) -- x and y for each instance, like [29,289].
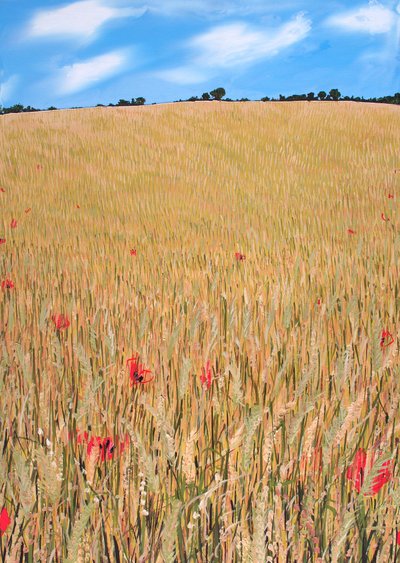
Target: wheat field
[199,330]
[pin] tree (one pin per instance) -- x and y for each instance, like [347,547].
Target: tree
[138,101]
[218,93]
[334,94]
[265,99]
[310,96]
[123,103]
[205,96]
[322,95]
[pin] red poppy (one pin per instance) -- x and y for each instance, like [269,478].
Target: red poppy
[78,206]
[356,470]
[319,301]
[28,210]
[61,321]
[38,166]
[133,252]
[398,538]
[2,241]
[383,477]
[206,376]
[2,190]
[356,473]
[5,521]
[240,257]
[82,437]
[384,218]
[386,339]
[7,284]
[391,196]
[13,223]
[137,372]
[351,232]
[107,446]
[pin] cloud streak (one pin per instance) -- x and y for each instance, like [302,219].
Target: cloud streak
[82,75]
[373,18]
[235,45]
[79,19]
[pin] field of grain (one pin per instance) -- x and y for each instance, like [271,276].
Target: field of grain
[247,255]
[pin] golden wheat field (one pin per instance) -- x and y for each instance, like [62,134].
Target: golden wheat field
[199,329]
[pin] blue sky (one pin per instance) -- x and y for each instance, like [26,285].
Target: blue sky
[97,51]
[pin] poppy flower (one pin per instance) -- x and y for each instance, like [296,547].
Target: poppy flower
[240,257]
[7,284]
[61,322]
[28,210]
[13,223]
[137,372]
[82,437]
[2,241]
[398,538]
[2,190]
[384,218]
[357,471]
[78,206]
[390,196]
[386,339]
[318,301]
[106,447]
[206,376]
[38,166]
[5,521]
[351,232]
[133,252]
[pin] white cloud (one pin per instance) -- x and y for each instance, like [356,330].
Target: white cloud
[82,19]
[7,88]
[79,76]
[374,18]
[239,43]
[234,45]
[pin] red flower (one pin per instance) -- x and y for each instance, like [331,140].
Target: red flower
[356,470]
[398,538]
[7,284]
[5,521]
[390,196]
[13,223]
[38,167]
[386,335]
[2,241]
[28,210]
[240,257]
[80,438]
[206,376]
[383,477]
[78,206]
[107,446]
[61,321]
[351,232]
[2,190]
[384,218]
[133,252]
[319,301]
[137,372]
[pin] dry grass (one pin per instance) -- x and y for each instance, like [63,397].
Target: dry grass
[253,468]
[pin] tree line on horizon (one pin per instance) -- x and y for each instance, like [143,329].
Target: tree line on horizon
[219,94]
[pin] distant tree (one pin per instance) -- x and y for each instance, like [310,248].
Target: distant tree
[123,103]
[265,99]
[17,108]
[322,95]
[193,99]
[310,96]
[205,96]
[100,105]
[51,108]
[218,93]
[138,101]
[334,94]
[282,98]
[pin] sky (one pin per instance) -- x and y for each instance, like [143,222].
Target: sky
[85,52]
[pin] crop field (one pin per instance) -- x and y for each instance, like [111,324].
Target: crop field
[199,332]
